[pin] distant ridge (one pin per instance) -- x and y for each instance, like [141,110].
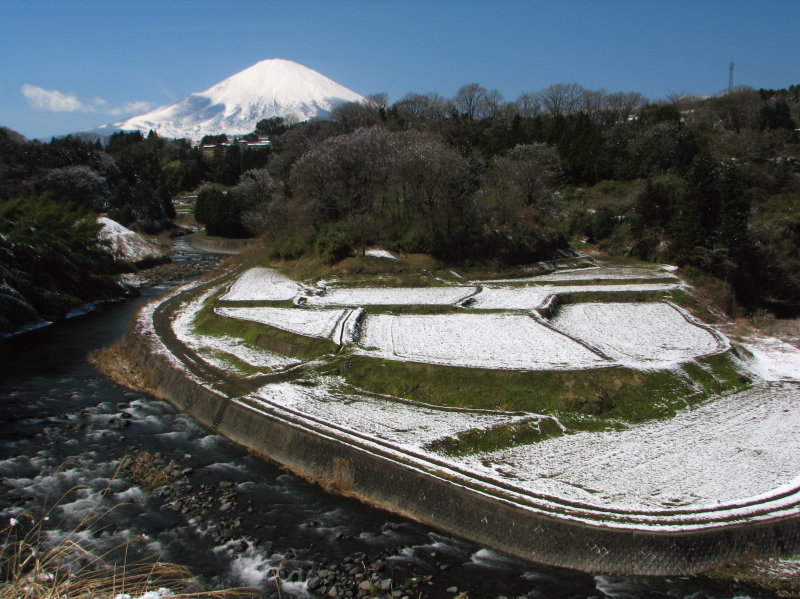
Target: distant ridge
[12,136]
[268,89]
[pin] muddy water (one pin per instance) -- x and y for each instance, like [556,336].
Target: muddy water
[64,424]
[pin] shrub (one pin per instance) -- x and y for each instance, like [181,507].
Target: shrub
[334,245]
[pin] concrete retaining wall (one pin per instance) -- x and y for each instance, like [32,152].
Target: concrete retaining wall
[222,246]
[489,521]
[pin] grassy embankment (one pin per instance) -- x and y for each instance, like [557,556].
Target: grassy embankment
[582,400]
[412,270]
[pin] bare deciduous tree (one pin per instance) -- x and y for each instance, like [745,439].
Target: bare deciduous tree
[561,98]
[356,115]
[380,100]
[492,105]
[412,108]
[621,105]
[530,173]
[528,105]
[433,176]
[347,173]
[469,99]
[592,102]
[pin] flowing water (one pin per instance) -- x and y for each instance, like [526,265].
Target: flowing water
[63,424]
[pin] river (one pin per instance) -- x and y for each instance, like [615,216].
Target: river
[63,424]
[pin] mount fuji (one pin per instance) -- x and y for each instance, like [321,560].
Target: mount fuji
[268,89]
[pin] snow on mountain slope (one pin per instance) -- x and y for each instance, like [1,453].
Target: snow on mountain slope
[267,89]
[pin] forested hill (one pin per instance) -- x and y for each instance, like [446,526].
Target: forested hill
[711,184]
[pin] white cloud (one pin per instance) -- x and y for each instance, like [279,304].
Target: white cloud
[55,101]
[131,108]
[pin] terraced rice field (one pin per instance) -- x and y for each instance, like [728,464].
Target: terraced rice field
[732,457]
[637,334]
[495,341]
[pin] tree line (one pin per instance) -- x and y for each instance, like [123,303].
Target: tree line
[708,183]
[698,181]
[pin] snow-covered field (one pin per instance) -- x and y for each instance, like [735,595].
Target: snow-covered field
[215,349]
[732,449]
[534,296]
[126,244]
[602,273]
[732,455]
[633,334]
[262,284]
[392,296]
[310,323]
[729,454]
[500,341]
[773,360]
[507,341]
[408,425]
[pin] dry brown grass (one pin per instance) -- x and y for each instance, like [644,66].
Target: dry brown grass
[78,567]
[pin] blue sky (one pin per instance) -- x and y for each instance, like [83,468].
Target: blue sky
[110,59]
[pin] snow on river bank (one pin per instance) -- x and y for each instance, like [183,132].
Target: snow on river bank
[126,244]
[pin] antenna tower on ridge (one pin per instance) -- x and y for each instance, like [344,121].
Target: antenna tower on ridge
[730,76]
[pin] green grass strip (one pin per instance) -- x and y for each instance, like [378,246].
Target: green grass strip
[593,398]
[307,348]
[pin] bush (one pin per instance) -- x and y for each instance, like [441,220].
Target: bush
[286,247]
[334,245]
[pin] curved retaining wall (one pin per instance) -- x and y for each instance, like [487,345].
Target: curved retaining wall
[468,513]
[222,246]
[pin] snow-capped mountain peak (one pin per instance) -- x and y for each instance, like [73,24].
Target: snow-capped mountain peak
[267,89]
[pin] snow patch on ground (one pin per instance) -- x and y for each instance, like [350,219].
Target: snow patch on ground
[379,253]
[632,334]
[144,327]
[262,284]
[393,296]
[309,323]
[214,349]
[498,341]
[126,244]
[604,273]
[773,360]
[534,296]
